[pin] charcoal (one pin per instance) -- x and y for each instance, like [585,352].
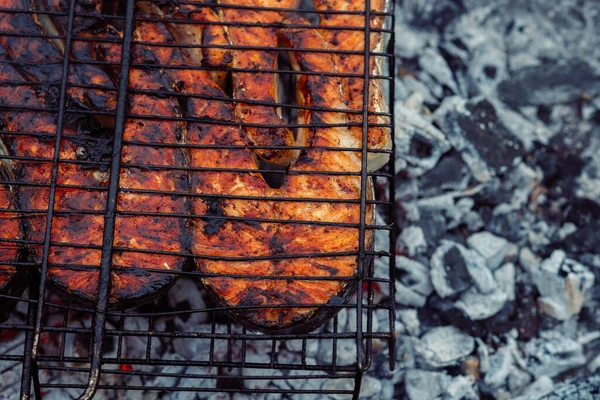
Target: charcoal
[492,248]
[550,83]
[500,368]
[421,384]
[437,14]
[505,277]
[553,354]
[445,346]
[432,62]
[540,387]
[480,306]
[418,142]
[410,320]
[413,284]
[580,389]
[412,240]
[473,129]
[562,283]
[454,269]
[449,174]
[518,380]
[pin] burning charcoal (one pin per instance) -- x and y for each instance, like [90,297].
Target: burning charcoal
[445,346]
[553,354]
[449,174]
[418,142]
[550,83]
[414,284]
[562,283]
[412,239]
[500,368]
[474,130]
[478,306]
[454,269]
[491,247]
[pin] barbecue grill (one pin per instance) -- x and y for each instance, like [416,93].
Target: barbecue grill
[58,345]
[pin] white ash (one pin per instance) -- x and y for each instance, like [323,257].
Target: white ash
[454,269]
[491,247]
[563,284]
[553,354]
[444,346]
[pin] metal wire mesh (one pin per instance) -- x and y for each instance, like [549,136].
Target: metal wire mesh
[87,349]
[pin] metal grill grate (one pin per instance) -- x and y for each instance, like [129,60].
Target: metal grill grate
[86,350]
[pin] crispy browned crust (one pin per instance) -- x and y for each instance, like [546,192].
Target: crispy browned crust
[258,86]
[378,138]
[211,38]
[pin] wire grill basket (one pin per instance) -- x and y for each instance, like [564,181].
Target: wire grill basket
[173,344]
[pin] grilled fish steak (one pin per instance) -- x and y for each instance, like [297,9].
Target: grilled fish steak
[257,86]
[378,137]
[248,260]
[78,222]
[40,59]
[13,278]
[211,38]
[143,240]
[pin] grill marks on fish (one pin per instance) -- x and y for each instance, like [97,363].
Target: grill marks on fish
[259,86]
[378,138]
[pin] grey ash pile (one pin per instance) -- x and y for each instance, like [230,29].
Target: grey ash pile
[498,162]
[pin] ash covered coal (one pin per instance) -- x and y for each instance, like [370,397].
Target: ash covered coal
[498,124]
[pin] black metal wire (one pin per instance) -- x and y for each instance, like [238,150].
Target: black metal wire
[40,303]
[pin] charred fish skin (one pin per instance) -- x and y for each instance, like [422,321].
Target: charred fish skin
[265,124]
[378,137]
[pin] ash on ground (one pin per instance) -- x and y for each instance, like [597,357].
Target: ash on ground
[497,119]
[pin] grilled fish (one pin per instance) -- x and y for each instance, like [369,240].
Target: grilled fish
[378,137]
[211,38]
[40,59]
[143,239]
[13,278]
[257,86]
[78,222]
[246,257]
